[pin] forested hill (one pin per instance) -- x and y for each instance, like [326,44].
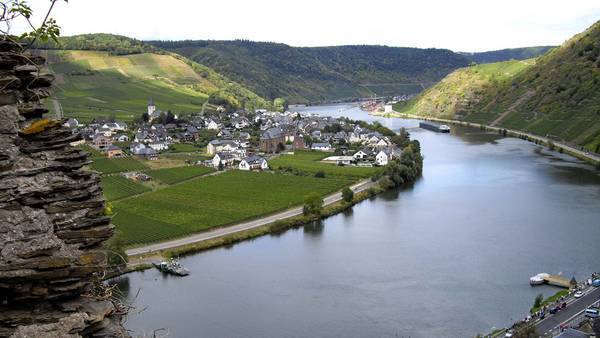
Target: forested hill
[558,95]
[507,54]
[322,73]
[114,44]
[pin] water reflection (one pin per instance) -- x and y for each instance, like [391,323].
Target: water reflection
[314,229]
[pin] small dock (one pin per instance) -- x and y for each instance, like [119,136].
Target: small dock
[557,280]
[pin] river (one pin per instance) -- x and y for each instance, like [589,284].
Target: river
[449,256]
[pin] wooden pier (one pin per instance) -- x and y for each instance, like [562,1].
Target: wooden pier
[557,280]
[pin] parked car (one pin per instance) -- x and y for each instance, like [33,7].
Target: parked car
[592,313]
[596,283]
[578,294]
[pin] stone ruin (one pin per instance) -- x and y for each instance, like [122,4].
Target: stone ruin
[52,220]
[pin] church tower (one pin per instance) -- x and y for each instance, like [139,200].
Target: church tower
[151,107]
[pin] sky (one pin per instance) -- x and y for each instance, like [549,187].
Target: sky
[459,25]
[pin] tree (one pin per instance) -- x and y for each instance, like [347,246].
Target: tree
[320,174]
[402,139]
[280,104]
[313,204]
[145,117]
[347,194]
[15,9]
[538,301]
[280,147]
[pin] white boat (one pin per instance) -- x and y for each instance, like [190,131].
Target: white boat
[538,279]
[444,128]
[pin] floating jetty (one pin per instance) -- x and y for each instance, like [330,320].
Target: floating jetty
[441,128]
[546,278]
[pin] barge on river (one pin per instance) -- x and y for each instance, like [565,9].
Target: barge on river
[440,128]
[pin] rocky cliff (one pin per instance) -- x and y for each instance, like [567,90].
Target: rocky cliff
[52,220]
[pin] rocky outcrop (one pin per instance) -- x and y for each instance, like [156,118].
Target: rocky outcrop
[52,220]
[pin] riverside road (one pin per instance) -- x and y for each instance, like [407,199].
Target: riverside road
[571,310]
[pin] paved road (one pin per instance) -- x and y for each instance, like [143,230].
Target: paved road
[361,186]
[572,309]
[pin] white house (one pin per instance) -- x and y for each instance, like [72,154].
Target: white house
[382,143]
[383,157]
[363,154]
[387,108]
[158,146]
[212,125]
[216,146]
[321,146]
[136,148]
[225,159]
[122,138]
[254,163]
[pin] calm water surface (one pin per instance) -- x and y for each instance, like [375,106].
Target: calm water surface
[449,256]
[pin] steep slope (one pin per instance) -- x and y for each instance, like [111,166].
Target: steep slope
[462,89]
[103,75]
[91,84]
[322,73]
[558,96]
[507,54]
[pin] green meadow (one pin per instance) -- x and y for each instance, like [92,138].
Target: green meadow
[213,201]
[310,162]
[116,187]
[178,174]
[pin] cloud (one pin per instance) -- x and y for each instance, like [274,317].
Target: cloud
[465,25]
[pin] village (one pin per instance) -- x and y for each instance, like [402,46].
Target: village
[239,140]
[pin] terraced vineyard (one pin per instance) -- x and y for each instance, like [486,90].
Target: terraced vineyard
[97,84]
[213,201]
[309,161]
[116,165]
[116,187]
[175,175]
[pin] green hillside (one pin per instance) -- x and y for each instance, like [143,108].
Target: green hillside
[462,89]
[103,84]
[508,54]
[558,95]
[321,73]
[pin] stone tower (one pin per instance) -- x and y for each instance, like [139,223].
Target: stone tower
[151,107]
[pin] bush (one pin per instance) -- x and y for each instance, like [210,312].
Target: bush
[320,174]
[313,204]
[347,194]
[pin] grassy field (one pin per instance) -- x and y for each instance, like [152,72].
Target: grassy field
[116,165]
[184,148]
[309,161]
[175,175]
[116,187]
[213,201]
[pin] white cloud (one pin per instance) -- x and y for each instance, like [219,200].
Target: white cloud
[460,25]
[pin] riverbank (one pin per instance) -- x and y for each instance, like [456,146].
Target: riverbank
[139,261]
[551,144]
[228,235]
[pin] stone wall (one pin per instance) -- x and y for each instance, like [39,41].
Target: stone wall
[52,220]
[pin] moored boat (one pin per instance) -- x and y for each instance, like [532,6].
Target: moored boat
[538,279]
[172,267]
